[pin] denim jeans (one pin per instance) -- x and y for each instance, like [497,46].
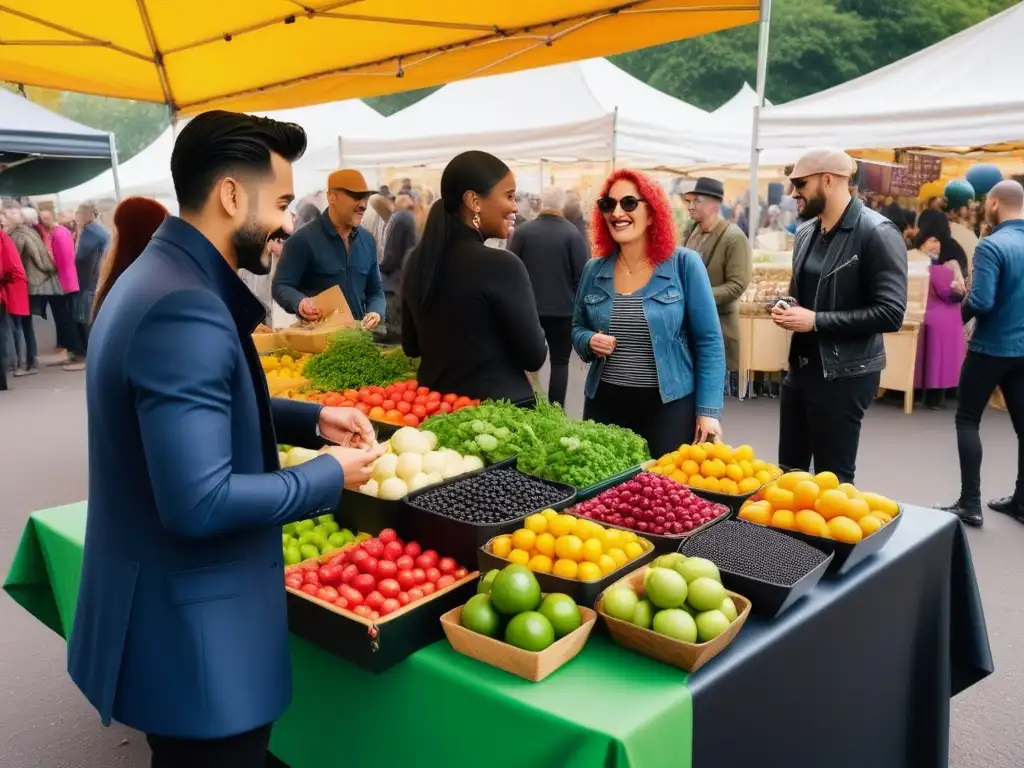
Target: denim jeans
[25,340]
[8,342]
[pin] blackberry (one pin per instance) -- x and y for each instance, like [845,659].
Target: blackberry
[755,551]
[495,496]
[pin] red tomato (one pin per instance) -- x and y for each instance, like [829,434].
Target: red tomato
[347,403]
[449,398]
[332,401]
[445,581]
[433,406]
[406,580]
[368,565]
[329,594]
[293,582]
[433,575]
[388,588]
[374,600]
[427,560]
[403,407]
[423,391]
[377,390]
[393,550]
[415,594]
[462,402]
[412,549]
[434,397]
[403,598]
[446,565]
[374,547]
[445,408]
[364,391]
[389,606]
[428,588]
[353,595]
[394,417]
[330,575]
[419,576]
[363,407]
[405,563]
[475,402]
[374,615]
[310,565]
[386,569]
[340,559]
[350,394]
[409,396]
[348,573]
[460,573]
[341,602]
[419,411]
[388,405]
[388,535]
[365,583]
[311,577]
[375,399]
[410,419]
[420,400]
[311,589]
[362,610]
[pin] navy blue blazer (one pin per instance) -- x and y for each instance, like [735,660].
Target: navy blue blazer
[181,627]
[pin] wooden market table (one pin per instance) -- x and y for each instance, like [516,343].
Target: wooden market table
[859,673]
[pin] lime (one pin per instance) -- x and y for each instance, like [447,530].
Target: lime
[728,607]
[563,613]
[515,589]
[479,616]
[706,594]
[620,603]
[643,614]
[530,631]
[484,587]
[696,567]
[676,624]
[309,551]
[666,588]
[292,555]
[710,624]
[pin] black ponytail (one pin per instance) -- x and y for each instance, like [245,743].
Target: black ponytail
[472,171]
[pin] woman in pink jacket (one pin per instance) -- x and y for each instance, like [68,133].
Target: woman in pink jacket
[13,292]
[61,245]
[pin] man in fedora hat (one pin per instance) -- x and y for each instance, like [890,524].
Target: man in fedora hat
[334,251]
[850,285]
[726,253]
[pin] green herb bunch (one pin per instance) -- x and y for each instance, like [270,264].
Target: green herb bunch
[352,360]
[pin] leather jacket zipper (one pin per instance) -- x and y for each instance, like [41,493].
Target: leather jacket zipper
[855,259]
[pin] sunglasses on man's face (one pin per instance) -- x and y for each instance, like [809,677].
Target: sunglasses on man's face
[353,195]
[799,184]
[629,203]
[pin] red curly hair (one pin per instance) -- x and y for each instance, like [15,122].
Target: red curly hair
[136,220]
[661,229]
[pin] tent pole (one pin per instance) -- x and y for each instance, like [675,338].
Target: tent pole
[113,166]
[753,207]
[615,137]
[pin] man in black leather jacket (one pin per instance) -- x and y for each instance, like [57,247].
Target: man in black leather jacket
[850,285]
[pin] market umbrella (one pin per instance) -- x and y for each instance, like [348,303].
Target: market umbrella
[270,54]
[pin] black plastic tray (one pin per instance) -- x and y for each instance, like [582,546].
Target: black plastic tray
[383,431]
[732,500]
[767,598]
[461,539]
[585,593]
[360,512]
[585,494]
[846,557]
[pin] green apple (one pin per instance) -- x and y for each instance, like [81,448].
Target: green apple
[305,525]
[710,624]
[330,527]
[329,518]
[289,528]
[309,551]
[644,614]
[292,555]
[338,539]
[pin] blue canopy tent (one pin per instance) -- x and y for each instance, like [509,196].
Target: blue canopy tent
[41,151]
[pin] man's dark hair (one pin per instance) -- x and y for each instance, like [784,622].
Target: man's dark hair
[218,143]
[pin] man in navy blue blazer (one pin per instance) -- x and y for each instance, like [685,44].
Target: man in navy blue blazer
[181,628]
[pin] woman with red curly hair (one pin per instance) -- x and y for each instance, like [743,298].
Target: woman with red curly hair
[646,318]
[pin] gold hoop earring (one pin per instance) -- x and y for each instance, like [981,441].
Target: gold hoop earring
[476,220]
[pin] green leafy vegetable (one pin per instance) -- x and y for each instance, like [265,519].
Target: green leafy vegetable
[352,360]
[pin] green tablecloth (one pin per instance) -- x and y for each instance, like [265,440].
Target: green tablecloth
[609,707]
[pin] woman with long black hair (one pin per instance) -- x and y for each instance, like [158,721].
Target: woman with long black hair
[468,310]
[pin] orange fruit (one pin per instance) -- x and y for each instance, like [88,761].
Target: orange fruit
[681,454]
[611,538]
[549,514]
[857,508]
[582,529]
[588,571]
[869,524]
[831,503]
[545,544]
[569,548]
[707,468]
[540,564]
[784,518]
[501,546]
[845,530]
[850,490]
[743,453]
[879,503]
[377,413]
[618,556]
[524,538]
[697,454]
[666,461]
[734,472]
[519,556]
[774,471]
[689,467]
[882,516]
[722,452]
[758,464]
[779,497]
[827,481]
[592,550]
[806,493]
[679,476]
[711,484]
[759,513]
[567,569]
[811,523]
[536,523]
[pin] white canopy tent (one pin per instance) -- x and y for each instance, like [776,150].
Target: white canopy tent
[588,110]
[962,92]
[149,172]
[740,108]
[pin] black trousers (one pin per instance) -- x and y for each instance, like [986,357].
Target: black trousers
[819,420]
[558,332]
[665,426]
[246,750]
[979,377]
[3,345]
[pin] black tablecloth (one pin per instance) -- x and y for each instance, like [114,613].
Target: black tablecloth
[860,673]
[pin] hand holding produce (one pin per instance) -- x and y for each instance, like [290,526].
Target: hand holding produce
[412,463]
[650,503]
[682,598]
[569,547]
[346,426]
[819,505]
[356,463]
[717,467]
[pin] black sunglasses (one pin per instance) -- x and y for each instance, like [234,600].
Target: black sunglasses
[799,184]
[629,203]
[354,195]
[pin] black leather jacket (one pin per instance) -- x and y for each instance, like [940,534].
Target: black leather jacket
[862,292]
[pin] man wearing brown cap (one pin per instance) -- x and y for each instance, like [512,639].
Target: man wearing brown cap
[334,251]
[850,285]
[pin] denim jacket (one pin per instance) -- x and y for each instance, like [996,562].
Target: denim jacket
[997,292]
[681,314]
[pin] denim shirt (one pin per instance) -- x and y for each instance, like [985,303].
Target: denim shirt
[683,319]
[997,292]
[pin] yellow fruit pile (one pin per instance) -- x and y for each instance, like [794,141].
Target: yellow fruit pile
[568,546]
[284,372]
[819,505]
[717,467]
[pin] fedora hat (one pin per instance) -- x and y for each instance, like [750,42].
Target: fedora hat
[709,188]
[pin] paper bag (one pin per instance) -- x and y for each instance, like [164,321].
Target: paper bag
[304,337]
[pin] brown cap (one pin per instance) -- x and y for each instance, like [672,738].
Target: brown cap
[349,180]
[824,160]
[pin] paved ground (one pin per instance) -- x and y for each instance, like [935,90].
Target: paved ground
[48,724]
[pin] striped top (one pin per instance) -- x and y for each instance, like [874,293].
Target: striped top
[632,363]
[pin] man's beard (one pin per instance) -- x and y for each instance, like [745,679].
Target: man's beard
[250,243]
[813,207]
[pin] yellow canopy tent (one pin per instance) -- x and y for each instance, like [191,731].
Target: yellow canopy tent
[260,55]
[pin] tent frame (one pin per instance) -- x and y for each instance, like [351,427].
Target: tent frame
[763,33]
